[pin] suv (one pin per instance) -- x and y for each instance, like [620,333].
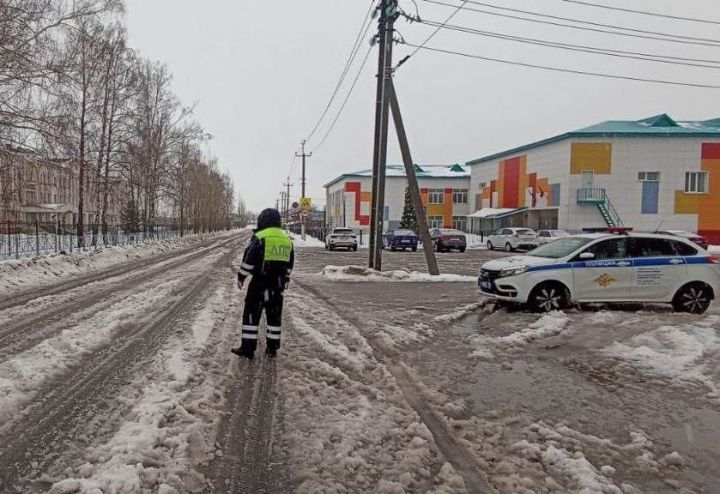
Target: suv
[606,268]
[547,236]
[512,239]
[341,237]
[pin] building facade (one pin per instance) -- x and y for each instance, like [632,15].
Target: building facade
[648,174]
[444,191]
[47,189]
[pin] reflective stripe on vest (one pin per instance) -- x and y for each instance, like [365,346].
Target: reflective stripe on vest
[278,246]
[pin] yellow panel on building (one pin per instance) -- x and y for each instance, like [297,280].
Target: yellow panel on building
[591,156]
[686,203]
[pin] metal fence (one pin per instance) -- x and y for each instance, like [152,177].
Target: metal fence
[21,239]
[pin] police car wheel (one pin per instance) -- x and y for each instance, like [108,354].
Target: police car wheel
[694,298]
[490,245]
[547,297]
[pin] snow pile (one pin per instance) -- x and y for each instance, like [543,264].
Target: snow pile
[309,241]
[475,241]
[363,274]
[684,354]
[550,324]
[582,476]
[461,312]
[152,450]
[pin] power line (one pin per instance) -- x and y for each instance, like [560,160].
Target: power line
[569,71]
[427,40]
[671,38]
[643,12]
[347,98]
[364,28]
[650,57]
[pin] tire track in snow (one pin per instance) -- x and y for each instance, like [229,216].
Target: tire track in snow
[247,433]
[26,333]
[40,435]
[454,452]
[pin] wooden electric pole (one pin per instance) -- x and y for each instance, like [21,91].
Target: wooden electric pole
[388,14]
[412,182]
[304,155]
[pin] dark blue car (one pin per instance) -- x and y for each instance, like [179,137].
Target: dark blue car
[400,239]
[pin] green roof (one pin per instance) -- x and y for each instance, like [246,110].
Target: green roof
[657,126]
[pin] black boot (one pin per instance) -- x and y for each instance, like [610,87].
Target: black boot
[242,352]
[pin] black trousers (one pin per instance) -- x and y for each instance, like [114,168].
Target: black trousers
[263,295]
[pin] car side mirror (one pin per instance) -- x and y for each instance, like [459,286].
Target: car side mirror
[586,256]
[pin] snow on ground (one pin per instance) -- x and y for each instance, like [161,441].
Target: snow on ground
[155,449]
[308,242]
[42,270]
[363,274]
[475,241]
[369,440]
[684,354]
[22,375]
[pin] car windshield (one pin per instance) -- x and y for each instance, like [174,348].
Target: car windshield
[447,231]
[343,231]
[559,248]
[404,232]
[525,231]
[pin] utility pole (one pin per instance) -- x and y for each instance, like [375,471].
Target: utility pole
[304,155]
[287,186]
[386,22]
[412,182]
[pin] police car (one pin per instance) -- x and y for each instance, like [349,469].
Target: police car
[606,267]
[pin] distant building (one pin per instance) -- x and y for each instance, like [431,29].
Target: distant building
[444,191]
[47,189]
[646,174]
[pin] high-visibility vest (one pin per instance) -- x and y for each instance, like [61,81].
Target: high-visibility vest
[278,246]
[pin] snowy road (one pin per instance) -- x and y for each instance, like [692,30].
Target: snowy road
[383,385]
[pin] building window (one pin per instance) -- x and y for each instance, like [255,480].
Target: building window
[459,222]
[435,221]
[696,182]
[460,196]
[436,196]
[482,185]
[649,176]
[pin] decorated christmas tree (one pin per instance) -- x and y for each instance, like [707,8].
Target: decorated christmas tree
[409,220]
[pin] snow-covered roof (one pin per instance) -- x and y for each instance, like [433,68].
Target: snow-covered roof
[422,171]
[492,212]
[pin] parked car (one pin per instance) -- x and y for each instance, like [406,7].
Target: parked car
[546,236]
[693,237]
[607,268]
[446,239]
[400,239]
[344,238]
[512,239]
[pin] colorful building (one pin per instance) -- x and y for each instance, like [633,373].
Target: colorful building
[647,174]
[444,191]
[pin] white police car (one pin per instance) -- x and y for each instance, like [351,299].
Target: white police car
[606,267]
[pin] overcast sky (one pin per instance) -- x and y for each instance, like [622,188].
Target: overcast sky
[261,73]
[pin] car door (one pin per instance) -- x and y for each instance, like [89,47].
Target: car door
[608,276]
[498,239]
[658,269]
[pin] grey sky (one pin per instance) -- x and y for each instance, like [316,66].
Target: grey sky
[261,73]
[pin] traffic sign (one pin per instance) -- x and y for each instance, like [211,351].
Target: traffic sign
[305,204]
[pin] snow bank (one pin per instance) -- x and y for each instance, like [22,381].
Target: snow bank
[309,241]
[684,354]
[475,241]
[363,274]
[38,271]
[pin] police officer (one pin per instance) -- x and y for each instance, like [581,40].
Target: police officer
[269,259]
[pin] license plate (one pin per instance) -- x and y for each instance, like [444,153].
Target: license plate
[486,284]
[406,241]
